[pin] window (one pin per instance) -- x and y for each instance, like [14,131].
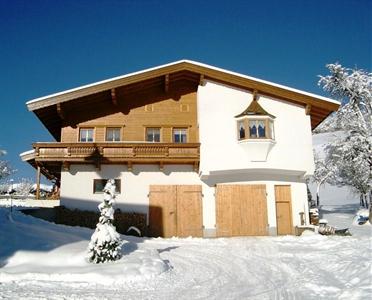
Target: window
[255,128]
[86,135]
[99,184]
[179,135]
[241,130]
[153,135]
[113,134]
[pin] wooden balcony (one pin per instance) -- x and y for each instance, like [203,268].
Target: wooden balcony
[117,153]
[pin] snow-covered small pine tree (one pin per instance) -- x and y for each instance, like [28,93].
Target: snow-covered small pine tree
[105,243]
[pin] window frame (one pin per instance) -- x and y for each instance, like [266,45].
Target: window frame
[86,128]
[104,181]
[110,128]
[152,128]
[186,134]
[269,128]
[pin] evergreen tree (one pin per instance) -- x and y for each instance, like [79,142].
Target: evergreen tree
[105,243]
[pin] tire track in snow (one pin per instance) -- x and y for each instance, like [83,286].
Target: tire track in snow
[236,268]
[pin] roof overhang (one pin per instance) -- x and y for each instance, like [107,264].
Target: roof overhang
[49,107]
[51,172]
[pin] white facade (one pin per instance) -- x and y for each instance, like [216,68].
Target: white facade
[217,107]
[287,160]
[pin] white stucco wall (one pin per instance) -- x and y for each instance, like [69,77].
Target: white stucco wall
[77,189]
[217,107]
[77,186]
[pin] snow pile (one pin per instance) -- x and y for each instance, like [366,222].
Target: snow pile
[33,249]
[68,264]
[362,217]
[43,260]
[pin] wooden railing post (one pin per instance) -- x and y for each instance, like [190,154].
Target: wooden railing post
[38,182]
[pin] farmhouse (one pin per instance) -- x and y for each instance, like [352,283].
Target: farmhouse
[200,150]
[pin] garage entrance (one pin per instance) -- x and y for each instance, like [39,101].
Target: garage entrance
[175,210]
[241,210]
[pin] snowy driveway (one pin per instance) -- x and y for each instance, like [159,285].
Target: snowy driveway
[308,267]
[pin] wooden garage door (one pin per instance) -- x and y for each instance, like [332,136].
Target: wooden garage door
[175,210]
[283,209]
[241,210]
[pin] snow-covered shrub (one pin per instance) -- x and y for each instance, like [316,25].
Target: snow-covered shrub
[5,169]
[105,243]
[22,188]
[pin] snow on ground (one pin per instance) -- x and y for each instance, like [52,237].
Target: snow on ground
[41,260]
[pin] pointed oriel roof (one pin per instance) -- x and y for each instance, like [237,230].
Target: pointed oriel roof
[254,109]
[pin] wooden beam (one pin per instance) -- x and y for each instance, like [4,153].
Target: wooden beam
[38,182]
[161,166]
[113,97]
[66,166]
[60,111]
[130,166]
[255,95]
[196,167]
[308,109]
[166,83]
[201,80]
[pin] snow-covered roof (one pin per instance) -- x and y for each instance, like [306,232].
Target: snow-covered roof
[51,109]
[184,64]
[27,155]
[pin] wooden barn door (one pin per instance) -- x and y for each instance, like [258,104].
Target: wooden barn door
[175,210]
[241,210]
[283,209]
[162,211]
[189,211]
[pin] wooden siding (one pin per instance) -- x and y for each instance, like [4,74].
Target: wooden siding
[133,115]
[283,209]
[241,210]
[175,210]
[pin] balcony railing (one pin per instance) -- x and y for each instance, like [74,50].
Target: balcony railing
[118,152]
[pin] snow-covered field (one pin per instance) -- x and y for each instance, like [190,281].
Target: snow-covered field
[41,260]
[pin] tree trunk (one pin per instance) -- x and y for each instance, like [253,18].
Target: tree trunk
[317,195]
[370,206]
[361,200]
[366,200]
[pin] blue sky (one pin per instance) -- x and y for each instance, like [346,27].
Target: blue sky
[50,46]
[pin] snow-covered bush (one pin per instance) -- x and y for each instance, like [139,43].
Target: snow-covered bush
[22,188]
[5,169]
[105,243]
